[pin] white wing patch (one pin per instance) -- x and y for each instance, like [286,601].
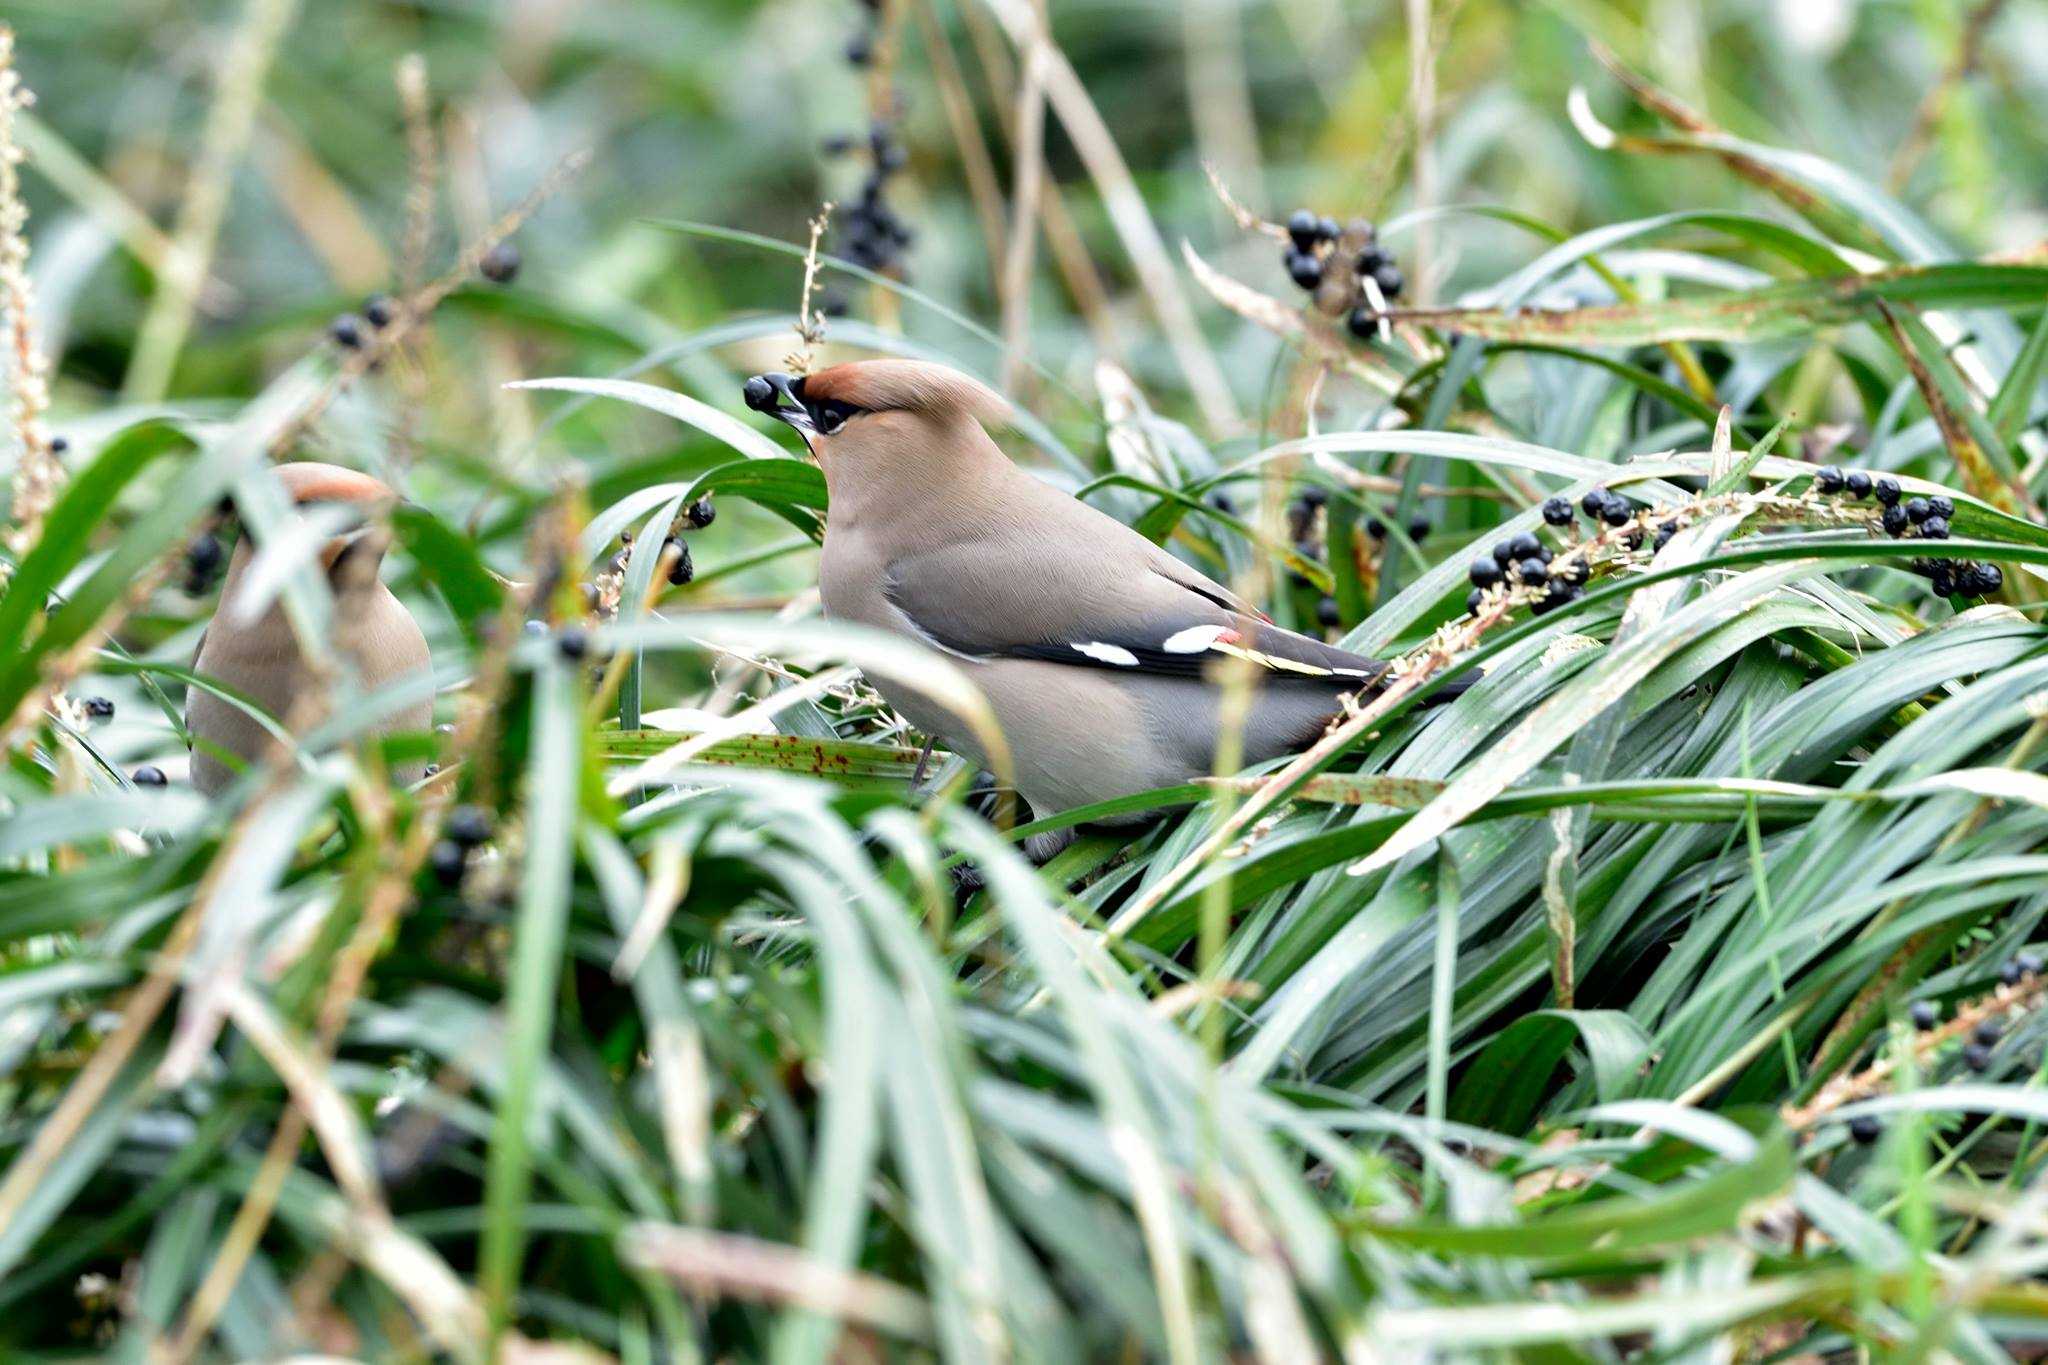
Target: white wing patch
[1109,654]
[1195,639]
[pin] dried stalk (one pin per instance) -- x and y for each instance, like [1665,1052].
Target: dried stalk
[810,323]
[1969,53]
[38,472]
[244,68]
[1026,192]
[1849,1087]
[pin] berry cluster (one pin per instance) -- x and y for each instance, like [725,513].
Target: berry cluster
[1906,518]
[870,233]
[674,551]
[499,265]
[468,828]
[1525,562]
[1333,264]
[2014,971]
[2019,987]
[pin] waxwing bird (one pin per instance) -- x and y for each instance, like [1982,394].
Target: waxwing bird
[1093,646]
[372,633]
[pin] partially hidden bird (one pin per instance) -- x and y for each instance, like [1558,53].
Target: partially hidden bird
[1094,647]
[372,634]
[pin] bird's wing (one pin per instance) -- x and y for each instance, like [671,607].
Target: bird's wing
[1129,609]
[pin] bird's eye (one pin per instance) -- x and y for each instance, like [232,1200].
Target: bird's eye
[830,416]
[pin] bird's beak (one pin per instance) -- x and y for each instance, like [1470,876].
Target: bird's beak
[775,394]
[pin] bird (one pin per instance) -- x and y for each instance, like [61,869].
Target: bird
[1095,648]
[372,634]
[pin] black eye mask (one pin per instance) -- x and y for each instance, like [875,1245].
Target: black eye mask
[831,415]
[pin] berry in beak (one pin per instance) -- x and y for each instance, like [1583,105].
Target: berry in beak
[775,394]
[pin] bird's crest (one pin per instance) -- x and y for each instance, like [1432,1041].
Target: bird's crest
[907,386]
[309,481]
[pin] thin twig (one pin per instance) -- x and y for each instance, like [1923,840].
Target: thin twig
[1027,188]
[976,163]
[1125,205]
[413,310]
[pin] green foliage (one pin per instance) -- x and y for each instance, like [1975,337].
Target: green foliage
[1529,1025]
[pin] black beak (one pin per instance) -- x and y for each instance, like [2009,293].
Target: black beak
[775,394]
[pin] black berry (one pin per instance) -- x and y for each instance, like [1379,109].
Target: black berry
[1473,599]
[1363,322]
[2030,963]
[1525,546]
[347,331]
[573,643]
[1485,572]
[1942,506]
[148,775]
[1941,578]
[500,264]
[1923,1014]
[1557,511]
[2010,972]
[860,50]
[1918,510]
[1302,229]
[1986,1032]
[204,554]
[1977,1057]
[469,826]
[1934,528]
[1858,482]
[99,708]
[1326,229]
[1896,521]
[1829,479]
[1304,269]
[1865,1129]
[59,444]
[1532,570]
[1418,528]
[1327,614]
[378,312]
[1887,490]
[700,513]
[1388,277]
[447,859]
[1594,501]
[1504,553]
[1617,511]
[680,570]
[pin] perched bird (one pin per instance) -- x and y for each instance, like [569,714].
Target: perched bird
[372,633]
[1093,646]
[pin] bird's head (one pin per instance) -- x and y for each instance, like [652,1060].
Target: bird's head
[360,547]
[864,411]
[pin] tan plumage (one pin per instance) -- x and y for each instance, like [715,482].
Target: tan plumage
[373,634]
[1093,645]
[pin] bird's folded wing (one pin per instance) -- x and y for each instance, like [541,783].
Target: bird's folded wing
[991,601]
